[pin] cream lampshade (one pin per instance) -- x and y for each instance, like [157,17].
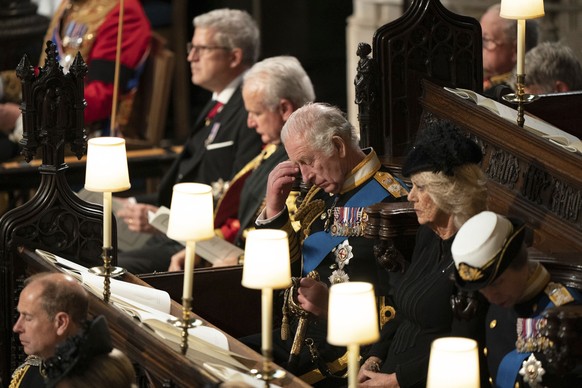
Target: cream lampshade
[266,262]
[352,321]
[352,314]
[266,267]
[191,220]
[107,172]
[521,9]
[191,213]
[106,169]
[454,363]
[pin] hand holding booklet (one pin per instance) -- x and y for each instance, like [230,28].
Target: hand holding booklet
[210,250]
[532,124]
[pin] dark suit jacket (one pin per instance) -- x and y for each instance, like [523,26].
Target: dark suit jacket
[236,144]
[255,188]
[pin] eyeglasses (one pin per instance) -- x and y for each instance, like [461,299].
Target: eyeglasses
[201,49]
[490,44]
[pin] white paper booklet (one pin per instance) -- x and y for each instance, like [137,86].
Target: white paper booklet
[131,293]
[210,250]
[532,124]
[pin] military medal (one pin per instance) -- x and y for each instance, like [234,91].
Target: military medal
[529,338]
[532,372]
[348,221]
[343,255]
[327,214]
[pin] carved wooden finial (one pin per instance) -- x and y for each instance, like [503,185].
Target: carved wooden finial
[52,108]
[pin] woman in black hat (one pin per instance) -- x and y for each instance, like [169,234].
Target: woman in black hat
[448,188]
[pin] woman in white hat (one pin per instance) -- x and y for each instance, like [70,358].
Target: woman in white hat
[490,256]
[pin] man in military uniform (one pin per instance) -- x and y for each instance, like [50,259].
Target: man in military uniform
[51,307]
[490,256]
[323,147]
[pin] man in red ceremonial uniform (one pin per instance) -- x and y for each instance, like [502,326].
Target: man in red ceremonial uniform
[89,27]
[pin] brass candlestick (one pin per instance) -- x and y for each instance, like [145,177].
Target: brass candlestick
[185,323]
[520,98]
[268,373]
[107,271]
[107,275]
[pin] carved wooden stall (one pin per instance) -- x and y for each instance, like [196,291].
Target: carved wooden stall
[400,88]
[559,109]
[162,360]
[54,219]
[529,177]
[428,41]
[537,181]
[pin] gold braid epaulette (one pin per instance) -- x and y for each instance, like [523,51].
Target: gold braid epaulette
[18,375]
[309,210]
[20,372]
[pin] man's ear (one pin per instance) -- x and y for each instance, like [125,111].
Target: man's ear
[285,108]
[340,145]
[236,57]
[561,87]
[62,323]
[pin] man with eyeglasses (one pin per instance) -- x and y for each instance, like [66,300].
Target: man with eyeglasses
[224,46]
[500,47]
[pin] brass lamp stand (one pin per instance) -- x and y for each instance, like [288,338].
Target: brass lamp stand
[520,98]
[107,172]
[521,10]
[191,219]
[267,267]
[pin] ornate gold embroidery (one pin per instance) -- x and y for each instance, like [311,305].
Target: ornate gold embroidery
[468,273]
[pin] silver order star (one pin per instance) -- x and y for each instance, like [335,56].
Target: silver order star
[338,276]
[532,371]
[344,253]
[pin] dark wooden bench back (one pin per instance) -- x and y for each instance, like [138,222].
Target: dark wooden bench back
[427,42]
[54,219]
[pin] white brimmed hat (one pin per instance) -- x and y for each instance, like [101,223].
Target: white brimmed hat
[484,247]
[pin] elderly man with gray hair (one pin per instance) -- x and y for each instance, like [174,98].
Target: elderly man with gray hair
[224,46]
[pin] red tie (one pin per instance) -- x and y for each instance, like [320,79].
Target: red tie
[213,112]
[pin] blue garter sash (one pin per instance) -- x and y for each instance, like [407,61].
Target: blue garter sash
[317,245]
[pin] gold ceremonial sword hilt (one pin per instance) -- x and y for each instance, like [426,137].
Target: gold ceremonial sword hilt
[290,305]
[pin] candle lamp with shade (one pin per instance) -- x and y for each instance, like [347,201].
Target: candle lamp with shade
[521,10]
[352,321]
[191,220]
[453,363]
[107,172]
[266,267]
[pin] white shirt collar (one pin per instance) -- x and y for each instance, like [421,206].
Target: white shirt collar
[227,92]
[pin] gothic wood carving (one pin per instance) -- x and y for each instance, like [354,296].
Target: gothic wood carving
[54,219]
[428,41]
